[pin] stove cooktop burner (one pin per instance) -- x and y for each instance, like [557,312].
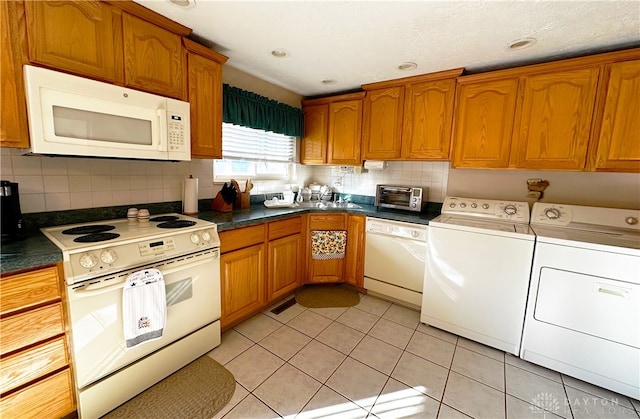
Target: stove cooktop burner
[91,229]
[177,224]
[164,218]
[96,237]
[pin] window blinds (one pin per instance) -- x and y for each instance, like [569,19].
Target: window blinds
[243,143]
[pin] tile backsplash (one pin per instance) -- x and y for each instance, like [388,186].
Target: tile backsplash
[63,183]
[433,175]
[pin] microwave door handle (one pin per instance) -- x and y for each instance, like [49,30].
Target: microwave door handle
[162,120]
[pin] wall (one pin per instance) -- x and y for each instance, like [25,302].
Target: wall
[237,78]
[617,190]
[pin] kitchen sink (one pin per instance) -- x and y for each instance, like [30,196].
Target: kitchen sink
[329,205]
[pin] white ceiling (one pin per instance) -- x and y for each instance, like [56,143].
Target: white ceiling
[359,42]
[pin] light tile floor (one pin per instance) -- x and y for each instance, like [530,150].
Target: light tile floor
[376,360]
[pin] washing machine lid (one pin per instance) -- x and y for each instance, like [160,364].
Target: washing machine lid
[483,226]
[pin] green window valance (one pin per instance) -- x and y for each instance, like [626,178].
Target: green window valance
[248,109]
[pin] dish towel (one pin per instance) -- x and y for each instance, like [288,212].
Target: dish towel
[328,244]
[144,307]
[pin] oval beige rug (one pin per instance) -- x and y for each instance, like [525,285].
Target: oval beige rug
[327,295]
[198,390]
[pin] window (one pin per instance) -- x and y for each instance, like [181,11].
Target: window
[248,152]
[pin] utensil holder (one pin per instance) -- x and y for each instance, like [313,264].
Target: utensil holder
[243,200]
[220,205]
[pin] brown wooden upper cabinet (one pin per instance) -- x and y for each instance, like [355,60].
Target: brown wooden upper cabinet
[205,96]
[82,37]
[484,123]
[550,116]
[314,142]
[553,122]
[153,58]
[333,130]
[409,118]
[618,147]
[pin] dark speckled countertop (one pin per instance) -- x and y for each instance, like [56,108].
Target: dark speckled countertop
[36,250]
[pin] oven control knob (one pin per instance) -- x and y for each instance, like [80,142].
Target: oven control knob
[463,205]
[88,260]
[108,256]
[510,209]
[206,236]
[195,239]
[552,213]
[485,206]
[474,205]
[452,205]
[631,220]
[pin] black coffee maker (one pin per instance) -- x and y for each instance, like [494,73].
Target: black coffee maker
[10,212]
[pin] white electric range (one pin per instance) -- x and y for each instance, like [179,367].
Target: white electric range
[583,310]
[98,257]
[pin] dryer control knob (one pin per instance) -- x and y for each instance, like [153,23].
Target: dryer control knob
[552,213]
[510,209]
[631,220]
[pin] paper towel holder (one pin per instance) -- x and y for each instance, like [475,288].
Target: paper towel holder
[190,196]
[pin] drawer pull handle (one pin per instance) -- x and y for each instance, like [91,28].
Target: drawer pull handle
[618,292]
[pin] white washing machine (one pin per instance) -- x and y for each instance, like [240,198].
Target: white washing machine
[583,314]
[477,272]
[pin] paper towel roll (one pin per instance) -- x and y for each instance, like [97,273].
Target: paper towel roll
[190,196]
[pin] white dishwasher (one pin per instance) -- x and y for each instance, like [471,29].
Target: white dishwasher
[394,260]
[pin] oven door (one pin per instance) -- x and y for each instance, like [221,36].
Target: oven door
[192,285]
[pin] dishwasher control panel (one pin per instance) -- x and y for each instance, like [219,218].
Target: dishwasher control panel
[397,229]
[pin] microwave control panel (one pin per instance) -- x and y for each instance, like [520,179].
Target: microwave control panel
[176,129]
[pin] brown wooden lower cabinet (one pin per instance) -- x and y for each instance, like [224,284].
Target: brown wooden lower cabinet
[243,283]
[35,376]
[325,270]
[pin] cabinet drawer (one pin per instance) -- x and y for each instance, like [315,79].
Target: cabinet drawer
[25,329]
[28,365]
[327,222]
[49,398]
[241,237]
[285,228]
[28,289]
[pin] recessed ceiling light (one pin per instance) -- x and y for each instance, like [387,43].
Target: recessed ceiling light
[185,4]
[329,81]
[407,66]
[280,53]
[521,43]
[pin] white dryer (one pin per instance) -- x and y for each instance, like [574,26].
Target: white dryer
[477,272]
[583,312]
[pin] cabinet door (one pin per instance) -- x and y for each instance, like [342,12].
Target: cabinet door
[619,141]
[314,142]
[154,60]
[483,125]
[13,54]
[554,122]
[427,120]
[345,132]
[285,261]
[354,270]
[325,270]
[382,123]
[83,37]
[242,283]
[205,97]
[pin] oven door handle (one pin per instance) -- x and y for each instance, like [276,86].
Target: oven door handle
[88,291]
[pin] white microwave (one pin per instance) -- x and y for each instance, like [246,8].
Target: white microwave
[74,116]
